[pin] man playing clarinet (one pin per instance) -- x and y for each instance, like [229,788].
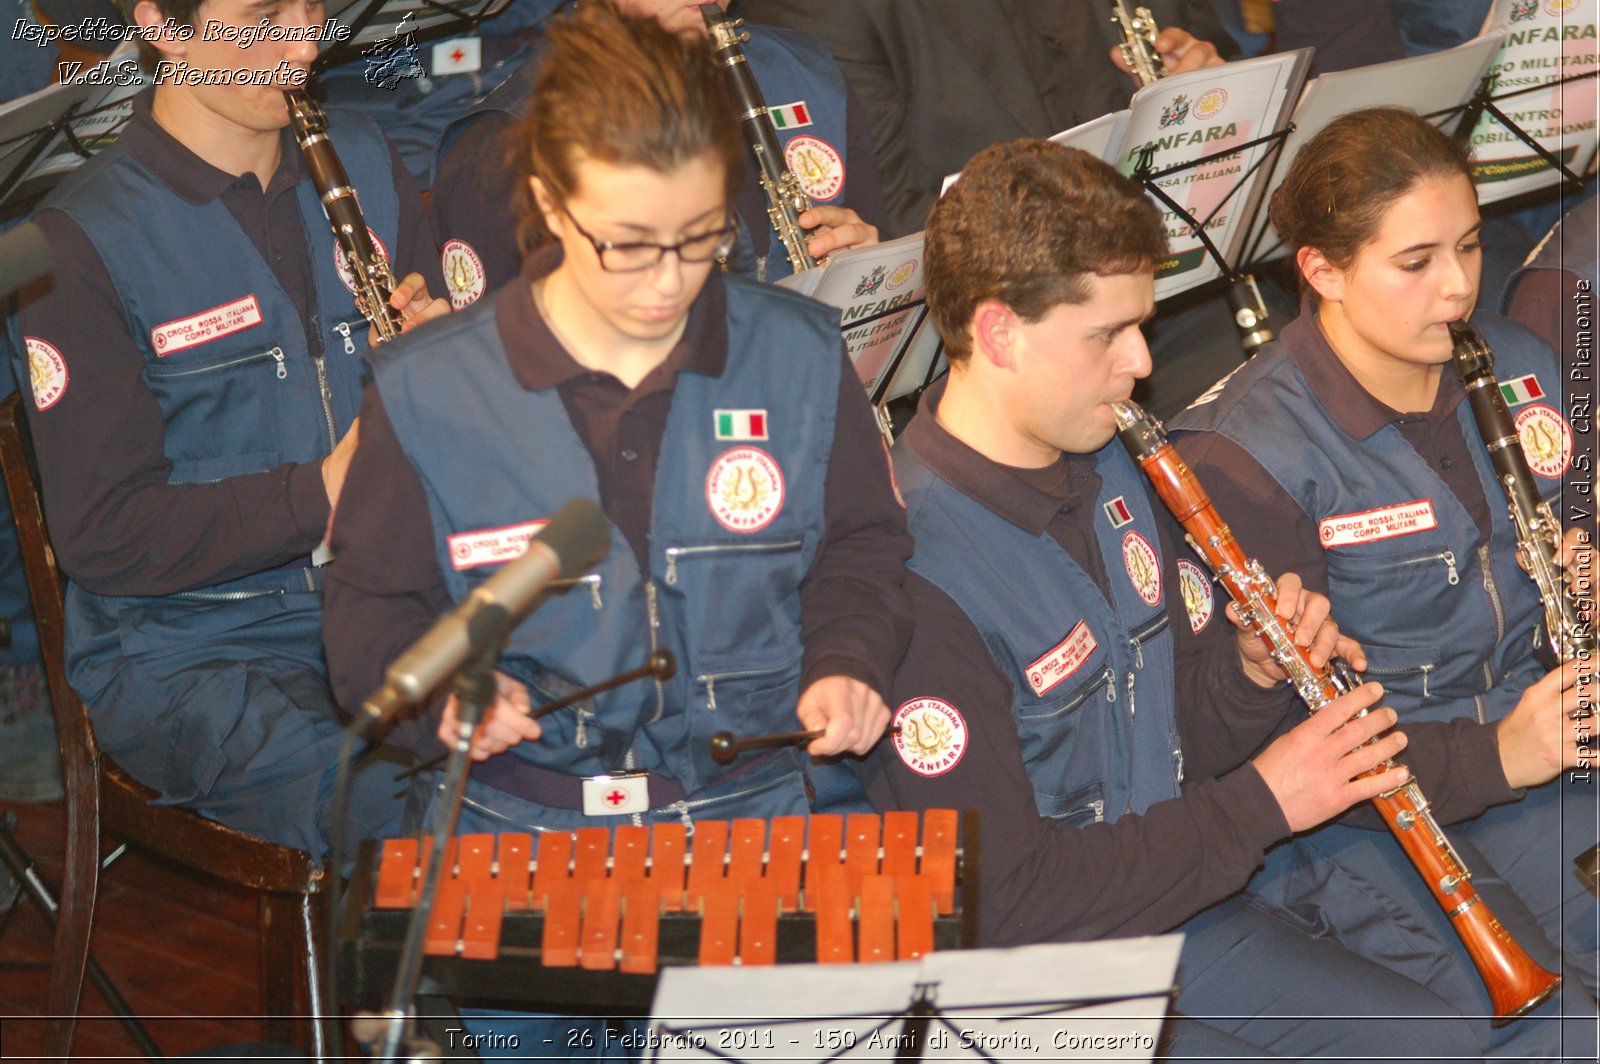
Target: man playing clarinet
[193,373]
[1072,674]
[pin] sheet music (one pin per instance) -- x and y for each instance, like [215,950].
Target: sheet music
[1194,115]
[879,291]
[100,98]
[1545,41]
[1096,136]
[1081,1001]
[1424,83]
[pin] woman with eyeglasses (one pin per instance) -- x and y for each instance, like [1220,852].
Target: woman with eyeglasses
[755,531]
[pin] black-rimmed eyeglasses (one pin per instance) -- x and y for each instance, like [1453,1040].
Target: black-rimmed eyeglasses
[643,254]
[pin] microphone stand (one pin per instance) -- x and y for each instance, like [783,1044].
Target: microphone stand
[474,687]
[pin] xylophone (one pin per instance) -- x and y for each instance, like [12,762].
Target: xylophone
[589,917]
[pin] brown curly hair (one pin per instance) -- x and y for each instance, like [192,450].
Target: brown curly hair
[1027,224]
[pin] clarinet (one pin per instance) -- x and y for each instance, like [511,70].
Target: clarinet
[786,200]
[1139,31]
[374,281]
[1516,982]
[1538,532]
[1138,47]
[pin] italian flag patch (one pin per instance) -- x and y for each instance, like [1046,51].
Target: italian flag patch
[1519,390]
[741,424]
[1119,514]
[790,115]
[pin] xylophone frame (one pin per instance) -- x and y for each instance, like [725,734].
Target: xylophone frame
[370,941]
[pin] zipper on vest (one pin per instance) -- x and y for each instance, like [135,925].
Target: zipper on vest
[343,329]
[654,613]
[276,354]
[710,680]
[1099,807]
[591,581]
[227,596]
[1130,692]
[1143,635]
[1446,556]
[326,394]
[674,553]
[1493,588]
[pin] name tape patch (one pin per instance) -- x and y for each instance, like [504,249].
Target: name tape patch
[468,550]
[1063,659]
[208,325]
[1346,530]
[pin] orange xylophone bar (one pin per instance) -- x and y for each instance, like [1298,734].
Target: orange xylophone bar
[602,892]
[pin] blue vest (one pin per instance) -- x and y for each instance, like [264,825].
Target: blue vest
[1438,616]
[724,600]
[1556,252]
[1091,679]
[239,382]
[790,67]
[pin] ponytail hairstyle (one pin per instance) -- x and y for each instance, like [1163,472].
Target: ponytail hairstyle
[1345,179]
[624,91]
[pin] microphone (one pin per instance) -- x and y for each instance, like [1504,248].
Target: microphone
[576,537]
[25,256]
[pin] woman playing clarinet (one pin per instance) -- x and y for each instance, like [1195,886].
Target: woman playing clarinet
[1349,454]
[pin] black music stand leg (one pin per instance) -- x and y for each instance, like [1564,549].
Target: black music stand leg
[476,691]
[914,1034]
[16,860]
[438,1019]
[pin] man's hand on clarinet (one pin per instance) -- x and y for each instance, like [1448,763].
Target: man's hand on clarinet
[1306,614]
[410,297]
[1180,51]
[850,714]
[835,229]
[1311,769]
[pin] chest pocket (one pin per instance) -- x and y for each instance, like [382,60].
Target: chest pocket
[1408,578]
[1067,738]
[741,602]
[221,408]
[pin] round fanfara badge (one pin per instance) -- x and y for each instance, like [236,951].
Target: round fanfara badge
[744,489]
[817,164]
[1195,587]
[1546,440]
[932,736]
[47,371]
[1210,103]
[1144,568]
[464,276]
[342,264]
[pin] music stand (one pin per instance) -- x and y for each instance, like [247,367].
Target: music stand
[47,134]
[1546,167]
[1077,1001]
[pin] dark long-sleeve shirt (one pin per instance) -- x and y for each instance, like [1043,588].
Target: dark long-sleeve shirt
[385,589]
[118,526]
[1143,873]
[1457,762]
